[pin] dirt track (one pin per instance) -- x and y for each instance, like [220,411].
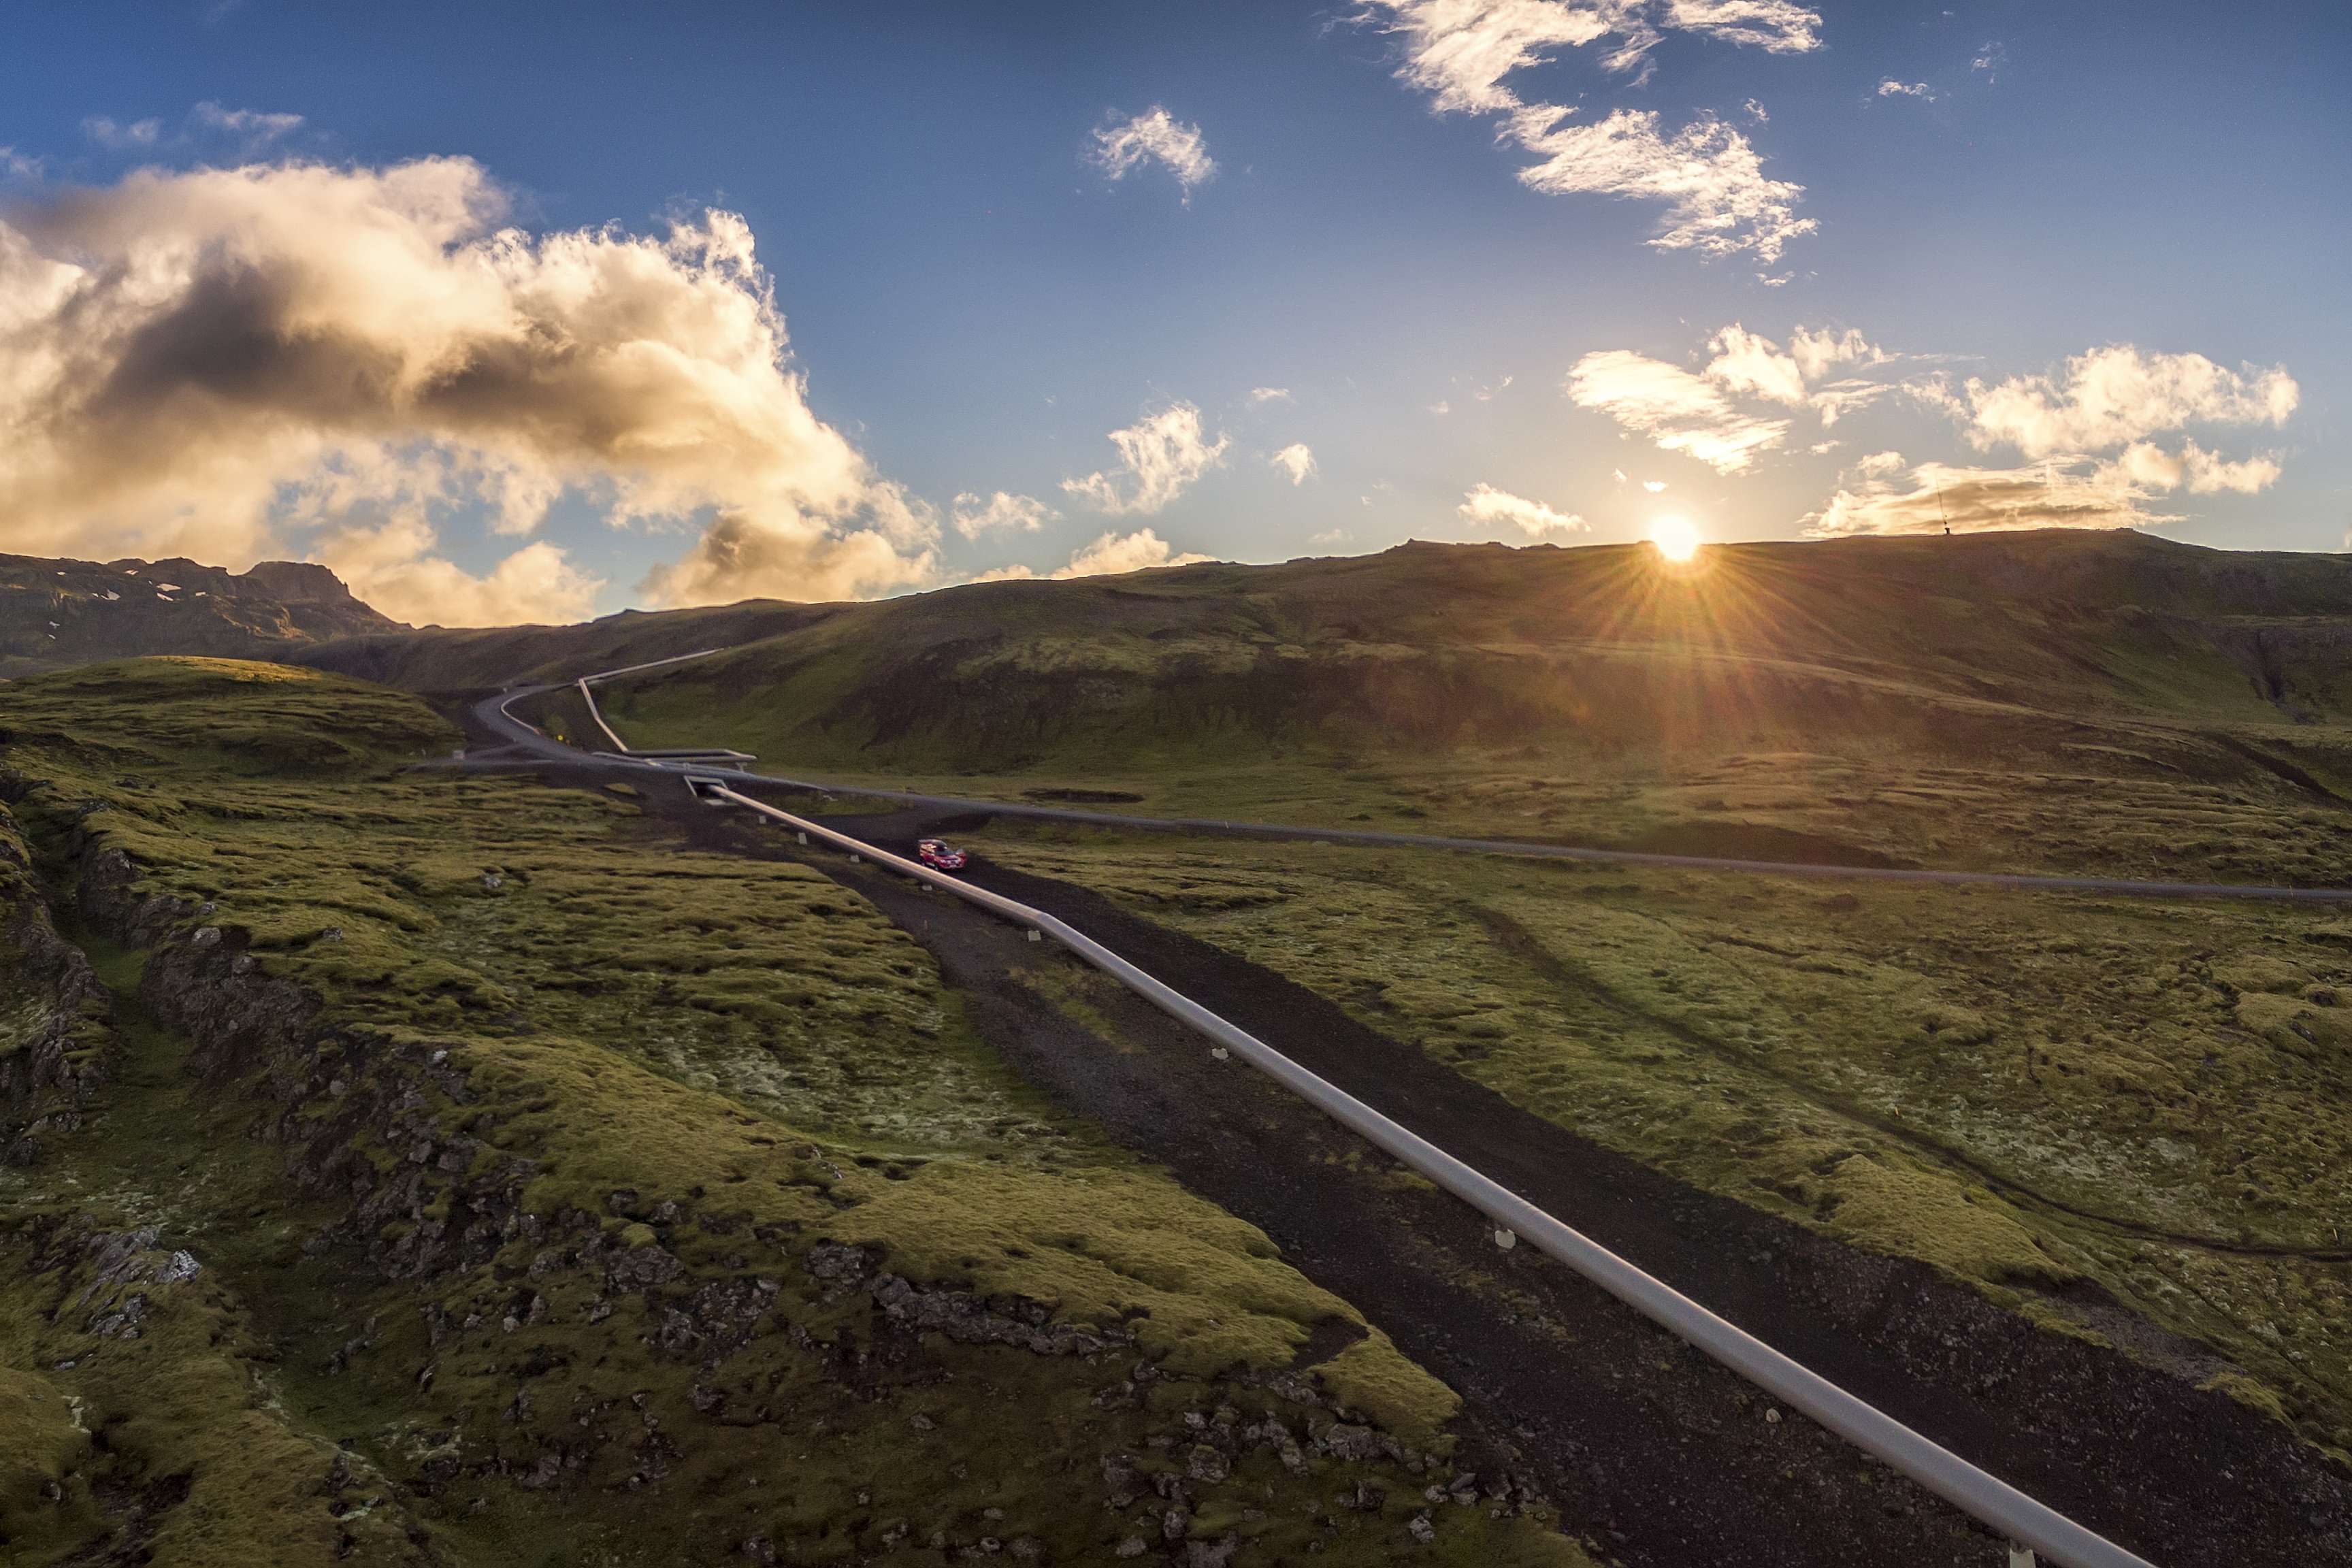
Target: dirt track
[1649,1451]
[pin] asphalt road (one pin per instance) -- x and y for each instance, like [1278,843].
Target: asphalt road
[1931,1353]
[492,715]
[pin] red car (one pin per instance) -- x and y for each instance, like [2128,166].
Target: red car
[939,855]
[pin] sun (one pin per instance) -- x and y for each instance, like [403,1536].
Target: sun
[1677,538]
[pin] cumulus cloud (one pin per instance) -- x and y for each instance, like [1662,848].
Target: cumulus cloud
[1117,552]
[2193,467]
[1890,87]
[1297,460]
[974,515]
[1707,413]
[1970,501]
[2121,394]
[292,358]
[2059,492]
[1710,177]
[1155,137]
[1486,505]
[396,563]
[1160,457]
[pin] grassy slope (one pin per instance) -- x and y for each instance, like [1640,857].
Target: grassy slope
[678,1079]
[2023,1090]
[1911,699]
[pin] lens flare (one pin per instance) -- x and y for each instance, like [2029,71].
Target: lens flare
[1677,538]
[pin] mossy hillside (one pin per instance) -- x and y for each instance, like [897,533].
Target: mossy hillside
[2014,703]
[717,1106]
[2021,1090]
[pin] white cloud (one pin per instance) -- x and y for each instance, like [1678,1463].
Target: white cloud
[1295,461]
[2059,492]
[2121,394]
[1701,413]
[1269,393]
[119,138]
[1115,553]
[974,515]
[395,564]
[1777,27]
[1156,136]
[1757,112]
[1878,465]
[1669,405]
[1890,87]
[1989,60]
[1718,201]
[1709,175]
[293,358]
[1486,505]
[1973,500]
[2202,473]
[1160,458]
[1655,486]
[254,127]
[1109,555]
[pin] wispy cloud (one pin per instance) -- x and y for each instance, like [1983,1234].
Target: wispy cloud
[999,512]
[1672,407]
[1297,460]
[255,128]
[1891,88]
[1269,393]
[1710,177]
[207,125]
[1160,458]
[1156,136]
[117,137]
[1490,507]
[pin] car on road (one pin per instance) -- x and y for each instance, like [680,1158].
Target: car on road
[939,855]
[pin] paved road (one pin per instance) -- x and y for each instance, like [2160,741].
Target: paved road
[491,714]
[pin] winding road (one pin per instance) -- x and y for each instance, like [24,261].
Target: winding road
[1506,1146]
[492,713]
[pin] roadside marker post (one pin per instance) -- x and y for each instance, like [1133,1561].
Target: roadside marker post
[2033,1530]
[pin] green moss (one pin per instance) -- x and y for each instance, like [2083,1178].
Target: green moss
[704,1064]
[2019,1089]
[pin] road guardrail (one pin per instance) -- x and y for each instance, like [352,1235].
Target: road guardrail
[2032,1527]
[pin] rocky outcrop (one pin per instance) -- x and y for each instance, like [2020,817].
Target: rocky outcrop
[58,612]
[52,1007]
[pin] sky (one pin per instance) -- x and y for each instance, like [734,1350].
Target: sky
[540,311]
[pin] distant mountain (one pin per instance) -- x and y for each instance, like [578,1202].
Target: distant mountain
[57,613]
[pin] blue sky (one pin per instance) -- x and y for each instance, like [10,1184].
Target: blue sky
[974,304]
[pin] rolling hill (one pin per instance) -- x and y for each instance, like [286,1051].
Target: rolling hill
[1935,701]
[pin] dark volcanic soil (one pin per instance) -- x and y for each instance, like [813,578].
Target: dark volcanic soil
[1649,1451]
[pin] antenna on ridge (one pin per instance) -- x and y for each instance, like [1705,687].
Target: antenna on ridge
[1941,513]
